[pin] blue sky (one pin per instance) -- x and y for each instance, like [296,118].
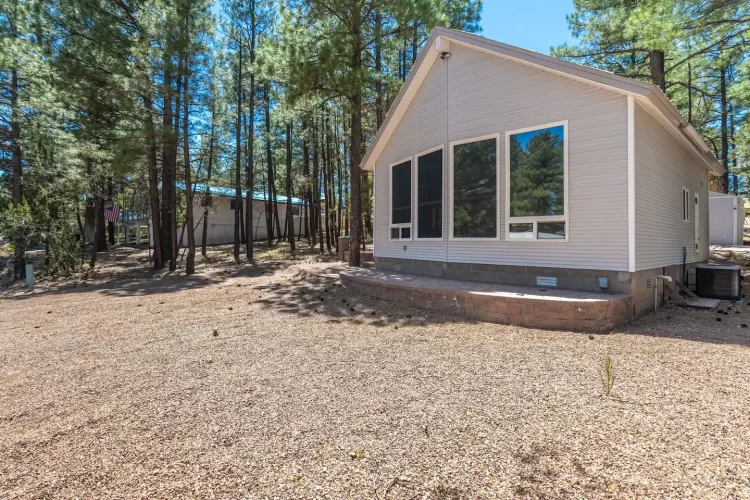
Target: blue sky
[531,24]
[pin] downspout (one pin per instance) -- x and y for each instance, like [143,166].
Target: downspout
[445,56]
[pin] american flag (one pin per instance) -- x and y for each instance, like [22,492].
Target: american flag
[112,214]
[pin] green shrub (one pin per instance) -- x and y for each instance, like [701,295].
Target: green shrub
[64,255]
[17,228]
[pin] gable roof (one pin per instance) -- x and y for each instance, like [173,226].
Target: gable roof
[650,96]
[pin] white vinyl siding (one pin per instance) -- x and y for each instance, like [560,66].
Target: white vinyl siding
[422,128]
[664,170]
[483,95]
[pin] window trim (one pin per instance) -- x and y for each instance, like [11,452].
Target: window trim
[416,193]
[497,186]
[697,225]
[685,204]
[391,225]
[542,218]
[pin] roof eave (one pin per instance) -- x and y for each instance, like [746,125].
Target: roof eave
[603,79]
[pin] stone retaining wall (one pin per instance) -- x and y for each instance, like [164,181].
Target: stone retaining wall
[553,313]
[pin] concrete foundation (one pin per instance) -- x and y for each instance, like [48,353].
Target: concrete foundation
[640,285]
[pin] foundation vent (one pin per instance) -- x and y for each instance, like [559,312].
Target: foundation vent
[546,281]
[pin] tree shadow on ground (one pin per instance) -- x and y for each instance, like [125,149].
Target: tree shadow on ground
[307,293]
[727,324]
[135,277]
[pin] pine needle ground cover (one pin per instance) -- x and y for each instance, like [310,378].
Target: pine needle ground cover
[276,381]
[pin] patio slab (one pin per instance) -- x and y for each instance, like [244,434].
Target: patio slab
[524,306]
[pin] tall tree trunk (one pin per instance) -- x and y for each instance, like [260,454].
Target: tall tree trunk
[414,44]
[98,228]
[690,94]
[15,140]
[101,226]
[238,167]
[190,262]
[110,224]
[733,160]
[307,192]
[207,202]
[250,165]
[656,64]
[340,201]
[315,193]
[167,161]
[346,183]
[16,167]
[181,71]
[247,209]
[289,209]
[320,215]
[724,129]
[279,235]
[269,164]
[326,179]
[153,179]
[379,111]
[356,149]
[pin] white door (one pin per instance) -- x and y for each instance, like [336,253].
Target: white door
[697,218]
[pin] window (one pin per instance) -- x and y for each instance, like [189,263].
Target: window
[430,195]
[232,203]
[401,200]
[685,205]
[536,183]
[521,231]
[474,205]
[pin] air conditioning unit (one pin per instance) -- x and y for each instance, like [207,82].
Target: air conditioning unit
[715,281]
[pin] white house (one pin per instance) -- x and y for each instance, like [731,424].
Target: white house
[500,164]
[727,219]
[220,223]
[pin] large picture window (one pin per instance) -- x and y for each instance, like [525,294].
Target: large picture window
[430,195]
[536,191]
[474,189]
[401,200]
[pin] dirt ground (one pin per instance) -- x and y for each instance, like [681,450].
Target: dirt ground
[275,381]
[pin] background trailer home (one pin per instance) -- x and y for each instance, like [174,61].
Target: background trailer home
[502,165]
[221,215]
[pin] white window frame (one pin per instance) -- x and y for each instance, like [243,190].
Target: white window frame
[497,186]
[391,225]
[416,193]
[535,220]
[685,204]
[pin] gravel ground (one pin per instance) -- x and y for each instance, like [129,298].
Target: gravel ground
[263,382]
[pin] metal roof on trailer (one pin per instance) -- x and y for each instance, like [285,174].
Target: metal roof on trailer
[230,192]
